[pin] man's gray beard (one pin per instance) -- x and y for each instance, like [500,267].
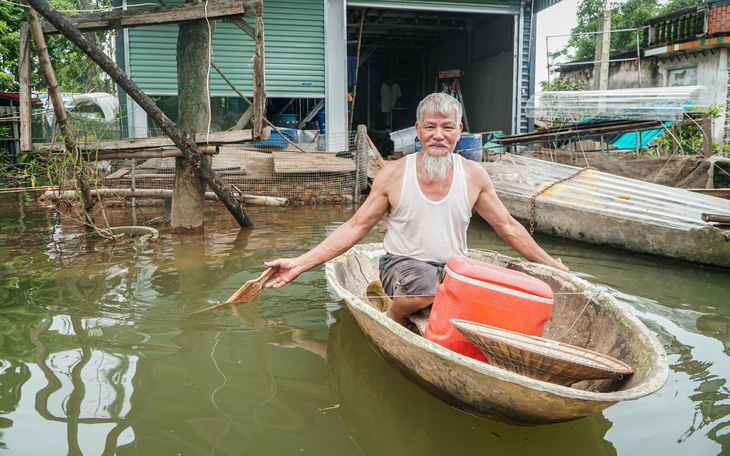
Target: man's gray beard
[436,168]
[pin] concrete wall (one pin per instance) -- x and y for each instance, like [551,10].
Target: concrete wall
[711,70]
[488,93]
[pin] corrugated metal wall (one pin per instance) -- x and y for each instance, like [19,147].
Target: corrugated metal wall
[294,36]
[477,6]
[488,39]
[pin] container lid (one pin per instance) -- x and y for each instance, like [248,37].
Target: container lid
[485,272]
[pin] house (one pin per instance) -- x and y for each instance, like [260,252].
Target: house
[687,47]
[310,44]
[9,124]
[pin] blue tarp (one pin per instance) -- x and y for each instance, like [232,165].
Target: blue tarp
[628,140]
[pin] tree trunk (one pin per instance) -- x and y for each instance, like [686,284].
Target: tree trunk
[193,58]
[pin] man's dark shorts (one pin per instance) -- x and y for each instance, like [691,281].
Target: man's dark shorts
[406,276]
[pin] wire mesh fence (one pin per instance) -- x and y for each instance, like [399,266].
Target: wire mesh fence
[304,173]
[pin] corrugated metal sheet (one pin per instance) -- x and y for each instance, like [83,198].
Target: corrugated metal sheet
[492,38]
[451,54]
[466,6]
[294,36]
[542,4]
[488,39]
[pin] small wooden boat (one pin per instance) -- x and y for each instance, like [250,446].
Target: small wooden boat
[583,315]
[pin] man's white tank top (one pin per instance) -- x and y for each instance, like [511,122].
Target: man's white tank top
[425,229]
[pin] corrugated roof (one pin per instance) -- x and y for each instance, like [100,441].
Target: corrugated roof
[542,4]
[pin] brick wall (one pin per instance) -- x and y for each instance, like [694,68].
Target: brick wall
[718,20]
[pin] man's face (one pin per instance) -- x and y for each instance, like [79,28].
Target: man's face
[438,133]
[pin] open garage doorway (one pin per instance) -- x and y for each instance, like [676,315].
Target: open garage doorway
[402,51]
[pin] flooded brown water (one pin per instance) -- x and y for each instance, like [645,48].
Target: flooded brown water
[98,357]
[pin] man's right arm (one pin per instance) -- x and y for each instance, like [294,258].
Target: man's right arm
[345,236]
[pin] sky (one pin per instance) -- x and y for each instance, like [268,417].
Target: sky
[558,19]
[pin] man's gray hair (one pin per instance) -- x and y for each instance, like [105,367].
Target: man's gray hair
[441,103]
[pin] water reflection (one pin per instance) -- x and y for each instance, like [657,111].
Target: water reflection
[377,401]
[97,356]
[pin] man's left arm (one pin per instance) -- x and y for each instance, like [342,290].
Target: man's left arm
[489,206]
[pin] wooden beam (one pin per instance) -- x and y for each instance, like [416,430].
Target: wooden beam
[129,145]
[181,140]
[25,92]
[243,25]
[158,15]
[718,218]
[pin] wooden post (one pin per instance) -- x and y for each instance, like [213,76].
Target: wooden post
[357,67]
[193,59]
[182,141]
[54,94]
[362,157]
[707,135]
[259,87]
[603,44]
[26,142]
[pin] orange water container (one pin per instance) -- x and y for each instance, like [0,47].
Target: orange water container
[489,294]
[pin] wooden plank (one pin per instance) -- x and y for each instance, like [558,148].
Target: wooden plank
[257,165]
[25,92]
[118,173]
[141,144]
[158,15]
[288,163]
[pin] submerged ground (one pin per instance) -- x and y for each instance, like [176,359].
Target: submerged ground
[98,357]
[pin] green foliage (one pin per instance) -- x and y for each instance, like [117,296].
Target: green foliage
[688,137]
[629,14]
[69,63]
[560,84]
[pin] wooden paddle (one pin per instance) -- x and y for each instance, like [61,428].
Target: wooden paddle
[246,293]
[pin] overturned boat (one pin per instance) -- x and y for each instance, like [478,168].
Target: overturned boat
[583,316]
[587,205]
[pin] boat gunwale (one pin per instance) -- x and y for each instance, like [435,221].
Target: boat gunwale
[650,386]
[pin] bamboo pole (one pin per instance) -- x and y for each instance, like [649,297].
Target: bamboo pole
[181,140]
[55,195]
[25,93]
[54,93]
[143,154]
[259,86]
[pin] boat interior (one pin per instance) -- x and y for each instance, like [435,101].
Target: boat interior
[583,316]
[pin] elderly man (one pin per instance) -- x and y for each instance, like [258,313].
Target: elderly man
[428,197]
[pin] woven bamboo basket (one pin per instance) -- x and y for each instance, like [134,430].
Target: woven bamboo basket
[540,358]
